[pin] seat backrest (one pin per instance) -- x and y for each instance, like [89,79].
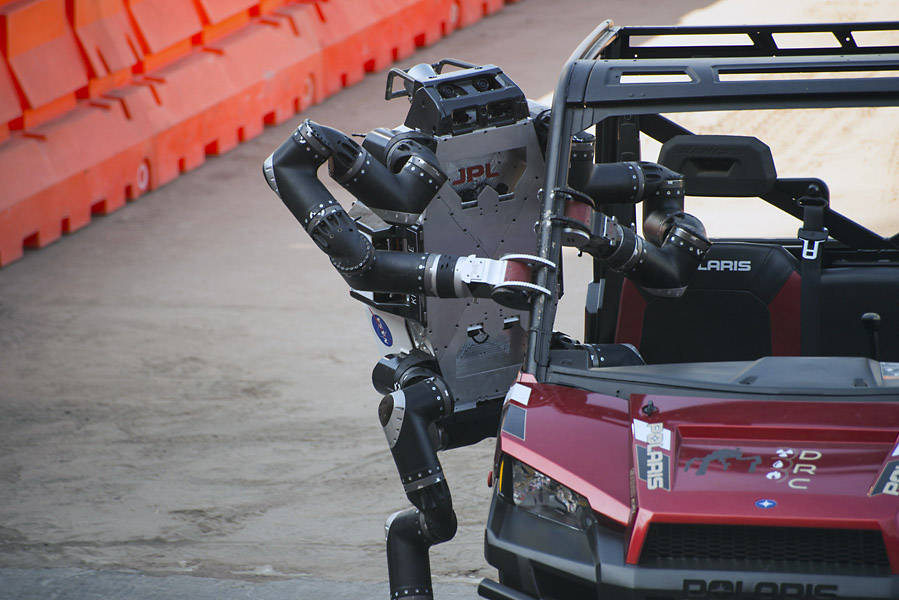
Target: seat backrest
[742,304]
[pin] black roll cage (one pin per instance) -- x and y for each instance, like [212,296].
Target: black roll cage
[610,77]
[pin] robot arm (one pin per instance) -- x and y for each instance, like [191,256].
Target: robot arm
[674,243]
[291,171]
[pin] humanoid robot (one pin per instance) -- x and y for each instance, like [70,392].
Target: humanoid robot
[436,245]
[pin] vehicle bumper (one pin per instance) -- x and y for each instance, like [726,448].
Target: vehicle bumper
[544,560]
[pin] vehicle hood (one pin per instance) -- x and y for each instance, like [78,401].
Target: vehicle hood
[678,458]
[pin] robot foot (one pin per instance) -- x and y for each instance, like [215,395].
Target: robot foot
[410,534]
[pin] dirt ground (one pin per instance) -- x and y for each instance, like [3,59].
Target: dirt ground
[184,385]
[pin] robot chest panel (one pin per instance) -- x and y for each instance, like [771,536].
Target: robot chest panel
[487,208]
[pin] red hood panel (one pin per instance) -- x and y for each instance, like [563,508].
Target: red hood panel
[717,460]
[737,462]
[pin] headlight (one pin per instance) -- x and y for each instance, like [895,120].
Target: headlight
[535,492]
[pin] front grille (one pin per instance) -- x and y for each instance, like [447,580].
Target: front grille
[772,549]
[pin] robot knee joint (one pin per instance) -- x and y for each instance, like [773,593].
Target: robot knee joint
[406,412]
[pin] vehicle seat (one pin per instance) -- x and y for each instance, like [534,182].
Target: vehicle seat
[742,304]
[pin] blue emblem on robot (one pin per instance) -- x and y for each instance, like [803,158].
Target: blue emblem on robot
[381,330]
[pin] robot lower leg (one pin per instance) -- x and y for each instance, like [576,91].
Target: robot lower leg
[408,416]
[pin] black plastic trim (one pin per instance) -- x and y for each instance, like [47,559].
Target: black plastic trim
[520,544]
[774,378]
[760,37]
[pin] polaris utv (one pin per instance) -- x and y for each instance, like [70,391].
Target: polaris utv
[739,441]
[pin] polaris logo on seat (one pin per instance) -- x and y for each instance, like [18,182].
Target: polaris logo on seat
[741,266]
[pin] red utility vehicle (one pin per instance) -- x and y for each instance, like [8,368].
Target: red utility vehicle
[739,442]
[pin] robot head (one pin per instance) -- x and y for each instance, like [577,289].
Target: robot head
[458,102]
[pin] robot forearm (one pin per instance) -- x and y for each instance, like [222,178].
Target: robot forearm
[661,270]
[675,241]
[506,280]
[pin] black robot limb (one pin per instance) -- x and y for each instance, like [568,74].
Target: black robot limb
[408,187]
[674,243]
[291,171]
[409,416]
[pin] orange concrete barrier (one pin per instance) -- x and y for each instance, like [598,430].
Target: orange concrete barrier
[25,222]
[221,17]
[166,30]
[68,175]
[419,23]
[189,115]
[288,81]
[43,57]
[102,101]
[108,41]
[472,11]
[359,38]
[10,108]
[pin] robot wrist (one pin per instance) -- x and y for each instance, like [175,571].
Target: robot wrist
[507,280]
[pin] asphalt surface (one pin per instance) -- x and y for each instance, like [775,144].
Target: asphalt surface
[185,406]
[83,584]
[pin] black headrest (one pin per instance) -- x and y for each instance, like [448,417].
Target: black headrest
[721,165]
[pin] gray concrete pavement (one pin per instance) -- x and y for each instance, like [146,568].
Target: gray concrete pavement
[184,384]
[83,584]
